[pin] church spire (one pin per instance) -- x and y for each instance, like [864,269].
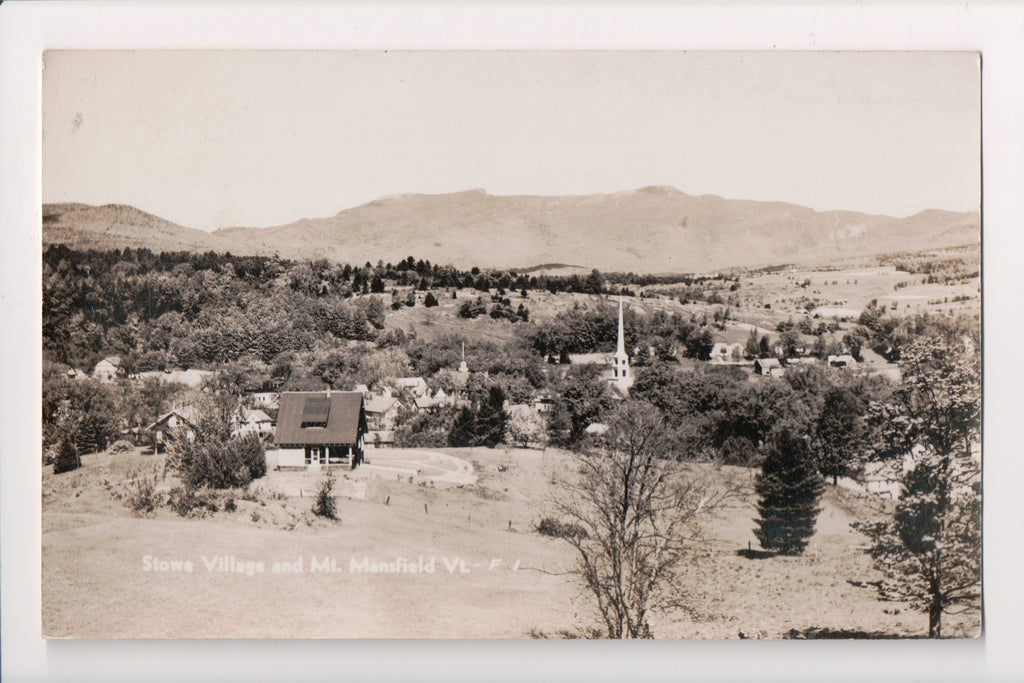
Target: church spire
[620,346]
[462,366]
[621,377]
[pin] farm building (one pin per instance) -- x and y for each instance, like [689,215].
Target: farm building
[175,421]
[769,367]
[316,428]
[108,369]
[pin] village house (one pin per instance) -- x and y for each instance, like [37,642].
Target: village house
[108,369]
[253,421]
[265,399]
[439,399]
[769,367]
[381,413]
[316,428]
[177,421]
[544,402]
[417,386]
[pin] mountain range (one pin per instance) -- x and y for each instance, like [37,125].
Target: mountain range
[649,230]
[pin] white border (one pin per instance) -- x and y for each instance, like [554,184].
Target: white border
[28,28]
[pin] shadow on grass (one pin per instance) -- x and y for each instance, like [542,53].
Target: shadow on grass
[825,633]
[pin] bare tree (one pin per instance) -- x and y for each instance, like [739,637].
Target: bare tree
[631,512]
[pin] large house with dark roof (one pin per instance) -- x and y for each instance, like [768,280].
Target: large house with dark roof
[316,428]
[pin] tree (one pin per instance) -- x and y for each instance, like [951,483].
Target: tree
[788,340]
[634,515]
[788,490]
[930,550]
[839,434]
[524,427]
[66,457]
[491,419]
[430,300]
[584,398]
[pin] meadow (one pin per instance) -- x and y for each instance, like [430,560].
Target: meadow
[264,569]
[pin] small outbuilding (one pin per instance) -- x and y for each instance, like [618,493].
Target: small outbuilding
[769,367]
[173,424]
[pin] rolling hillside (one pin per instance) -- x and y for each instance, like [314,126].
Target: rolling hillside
[653,229]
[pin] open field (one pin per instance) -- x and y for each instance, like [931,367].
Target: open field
[96,583]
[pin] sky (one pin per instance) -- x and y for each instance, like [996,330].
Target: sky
[258,138]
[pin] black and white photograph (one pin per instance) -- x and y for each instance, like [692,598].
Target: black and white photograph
[517,341]
[511,345]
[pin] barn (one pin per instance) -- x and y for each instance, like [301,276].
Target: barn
[317,428]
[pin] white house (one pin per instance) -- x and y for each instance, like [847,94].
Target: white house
[108,369]
[381,412]
[254,421]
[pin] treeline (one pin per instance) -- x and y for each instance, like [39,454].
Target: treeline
[950,269]
[586,328]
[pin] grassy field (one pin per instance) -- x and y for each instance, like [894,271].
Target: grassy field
[494,576]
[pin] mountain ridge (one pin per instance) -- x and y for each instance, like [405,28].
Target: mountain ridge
[649,229]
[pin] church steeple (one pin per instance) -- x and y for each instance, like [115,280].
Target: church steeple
[620,345]
[621,377]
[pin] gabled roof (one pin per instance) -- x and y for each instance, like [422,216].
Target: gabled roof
[113,360]
[768,362]
[340,411]
[255,415]
[379,404]
[187,414]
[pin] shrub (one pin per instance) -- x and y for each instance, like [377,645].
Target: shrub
[121,446]
[221,465]
[325,505]
[142,498]
[549,526]
[191,502]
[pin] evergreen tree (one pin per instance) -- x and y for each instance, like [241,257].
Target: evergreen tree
[491,420]
[753,349]
[788,488]
[463,429]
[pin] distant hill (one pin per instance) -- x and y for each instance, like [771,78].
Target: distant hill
[651,230]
